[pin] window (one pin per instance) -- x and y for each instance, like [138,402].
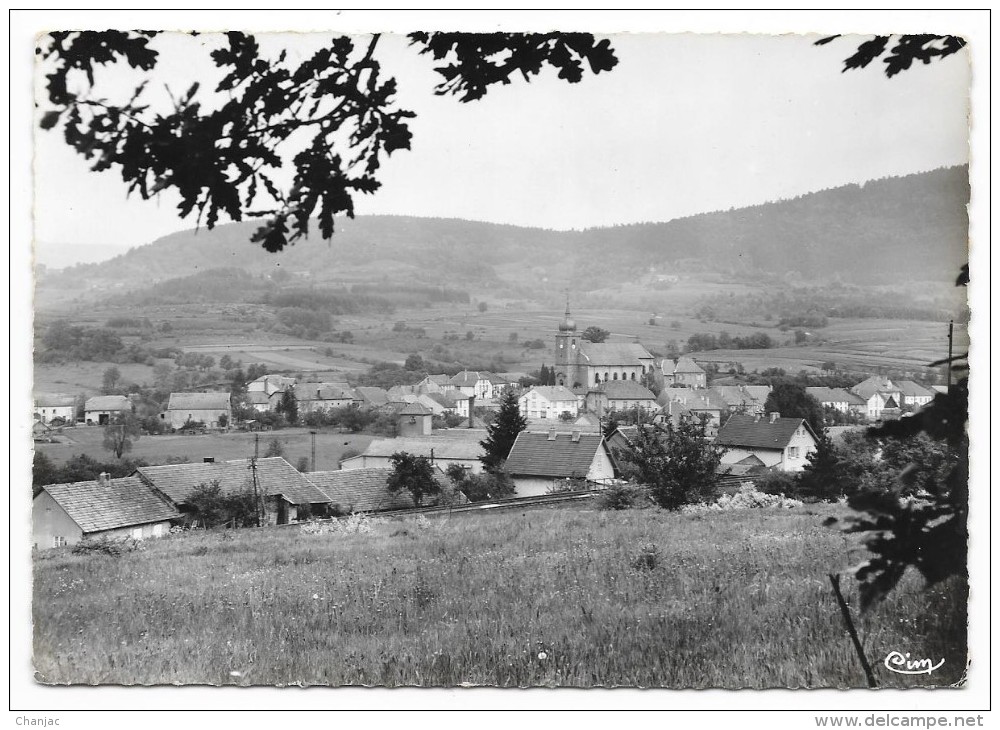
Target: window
[633,376]
[58,541]
[616,376]
[793,452]
[137,533]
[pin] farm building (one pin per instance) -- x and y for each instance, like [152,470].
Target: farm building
[103,409]
[685,373]
[365,490]
[548,401]
[323,396]
[539,461]
[454,446]
[286,492]
[702,403]
[212,409]
[621,396]
[264,393]
[434,384]
[55,406]
[779,443]
[65,514]
[371,397]
[452,401]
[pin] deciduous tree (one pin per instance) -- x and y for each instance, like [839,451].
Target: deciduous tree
[412,473]
[676,463]
[595,334]
[120,433]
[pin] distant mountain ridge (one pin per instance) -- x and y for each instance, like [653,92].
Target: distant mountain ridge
[893,230]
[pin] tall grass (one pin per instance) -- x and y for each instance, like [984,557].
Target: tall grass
[567,598]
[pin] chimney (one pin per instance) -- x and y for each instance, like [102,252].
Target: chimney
[575,438]
[103,479]
[208,460]
[552,434]
[773,416]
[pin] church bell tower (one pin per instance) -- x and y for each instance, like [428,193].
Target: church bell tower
[566,350]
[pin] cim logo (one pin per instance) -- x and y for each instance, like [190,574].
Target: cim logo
[902,664]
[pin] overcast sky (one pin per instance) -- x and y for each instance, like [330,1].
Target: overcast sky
[686,123]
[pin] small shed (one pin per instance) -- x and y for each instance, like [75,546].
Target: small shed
[415,419]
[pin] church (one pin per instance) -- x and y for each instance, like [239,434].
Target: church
[581,363]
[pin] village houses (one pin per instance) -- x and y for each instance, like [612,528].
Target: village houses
[548,402]
[104,409]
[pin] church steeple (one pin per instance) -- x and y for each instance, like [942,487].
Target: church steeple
[567,325]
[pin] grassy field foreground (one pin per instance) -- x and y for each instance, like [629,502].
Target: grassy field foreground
[554,597]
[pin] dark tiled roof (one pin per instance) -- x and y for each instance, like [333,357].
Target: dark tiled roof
[364,490]
[913,389]
[198,401]
[467,378]
[119,503]
[305,392]
[759,433]
[373,396]
[736,395]
[533,454]
[626,390]
[415,409]
[606,354]
[875,384]
[108,403]
[274,475]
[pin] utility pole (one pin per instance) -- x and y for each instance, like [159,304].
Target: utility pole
[256,445]
[951,333]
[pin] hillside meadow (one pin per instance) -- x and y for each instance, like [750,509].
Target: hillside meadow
[558,597]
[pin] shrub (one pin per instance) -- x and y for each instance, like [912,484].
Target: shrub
[619,496]
[777,482]
[107,546]
[648,558]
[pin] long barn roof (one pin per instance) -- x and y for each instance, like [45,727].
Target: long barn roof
[122,502]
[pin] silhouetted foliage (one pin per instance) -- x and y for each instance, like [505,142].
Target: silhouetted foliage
[594,334]
[792,401]
[335,110]
[903,50]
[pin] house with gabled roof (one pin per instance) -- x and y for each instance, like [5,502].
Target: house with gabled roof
[372,397]
[701,403]
[780,443]
[451,401]
[621,396]
[415,419]
[744,398]
[65,514]
[913,394]
[323,396]
[434,384]
[212,409]
[548,402]
[684,373]
[366,490]
[838,399]
[103,409]
[283,488]
[49,406]
[882,398]
[540,461]
[480,384]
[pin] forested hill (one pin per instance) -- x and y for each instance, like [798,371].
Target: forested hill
[894,230]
